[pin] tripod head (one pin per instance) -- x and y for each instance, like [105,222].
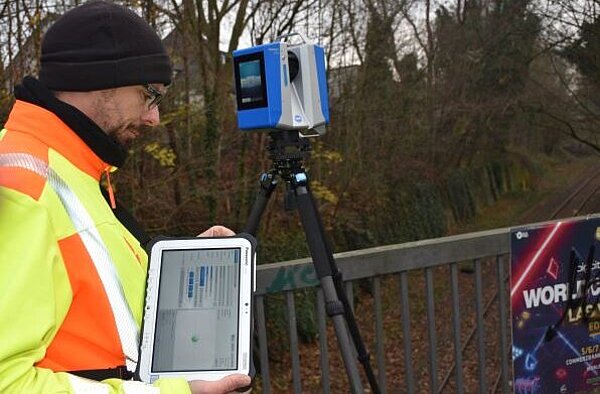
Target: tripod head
[287,150]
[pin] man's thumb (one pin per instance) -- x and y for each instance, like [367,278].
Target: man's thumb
[226,385]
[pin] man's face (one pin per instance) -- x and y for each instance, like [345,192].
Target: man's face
[126,112]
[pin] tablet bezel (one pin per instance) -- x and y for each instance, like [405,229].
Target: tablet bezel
[247,285]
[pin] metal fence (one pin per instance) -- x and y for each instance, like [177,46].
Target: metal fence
[433,313]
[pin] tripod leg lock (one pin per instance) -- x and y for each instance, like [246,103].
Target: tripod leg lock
[334,308]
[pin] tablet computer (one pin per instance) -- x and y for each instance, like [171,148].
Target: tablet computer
[198,314]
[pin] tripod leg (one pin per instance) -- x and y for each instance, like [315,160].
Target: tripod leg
[363,355]
[267,185]
[325,269]
[335,310]
[287,150]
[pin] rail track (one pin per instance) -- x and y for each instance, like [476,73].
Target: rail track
[582,199]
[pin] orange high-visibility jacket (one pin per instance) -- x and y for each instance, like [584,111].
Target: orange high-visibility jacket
[72,277]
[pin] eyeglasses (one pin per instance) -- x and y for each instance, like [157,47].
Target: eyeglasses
[153,96]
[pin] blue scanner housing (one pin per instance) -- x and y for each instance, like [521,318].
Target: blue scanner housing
[268,97]
[320,60]
[260,110]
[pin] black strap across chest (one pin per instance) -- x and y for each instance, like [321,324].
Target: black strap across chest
[120,372]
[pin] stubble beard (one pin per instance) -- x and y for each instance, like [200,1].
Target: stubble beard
[124,134]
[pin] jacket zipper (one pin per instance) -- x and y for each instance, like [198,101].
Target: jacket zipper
[111,193]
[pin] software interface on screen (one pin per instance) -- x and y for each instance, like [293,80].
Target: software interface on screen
[197,316]
[251,82]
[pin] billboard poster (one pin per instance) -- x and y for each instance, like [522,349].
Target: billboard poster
[555,304]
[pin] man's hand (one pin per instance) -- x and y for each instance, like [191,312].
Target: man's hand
[226,385]
[217,231]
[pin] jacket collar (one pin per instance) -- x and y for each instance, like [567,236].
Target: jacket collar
[104,146]
[52,131]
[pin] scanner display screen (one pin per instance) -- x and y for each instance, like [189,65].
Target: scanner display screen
[250,81]
[198,311]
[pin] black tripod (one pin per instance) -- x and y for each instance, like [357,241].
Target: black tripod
[287,150]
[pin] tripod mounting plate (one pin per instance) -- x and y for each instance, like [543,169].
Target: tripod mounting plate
[288,150]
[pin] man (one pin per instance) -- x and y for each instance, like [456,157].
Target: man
[72,268]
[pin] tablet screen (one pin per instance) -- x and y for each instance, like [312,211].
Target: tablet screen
[198,311]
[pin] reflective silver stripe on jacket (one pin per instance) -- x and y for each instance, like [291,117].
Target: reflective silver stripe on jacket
[85,227]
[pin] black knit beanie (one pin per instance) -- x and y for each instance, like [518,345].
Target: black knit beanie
[101,45]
